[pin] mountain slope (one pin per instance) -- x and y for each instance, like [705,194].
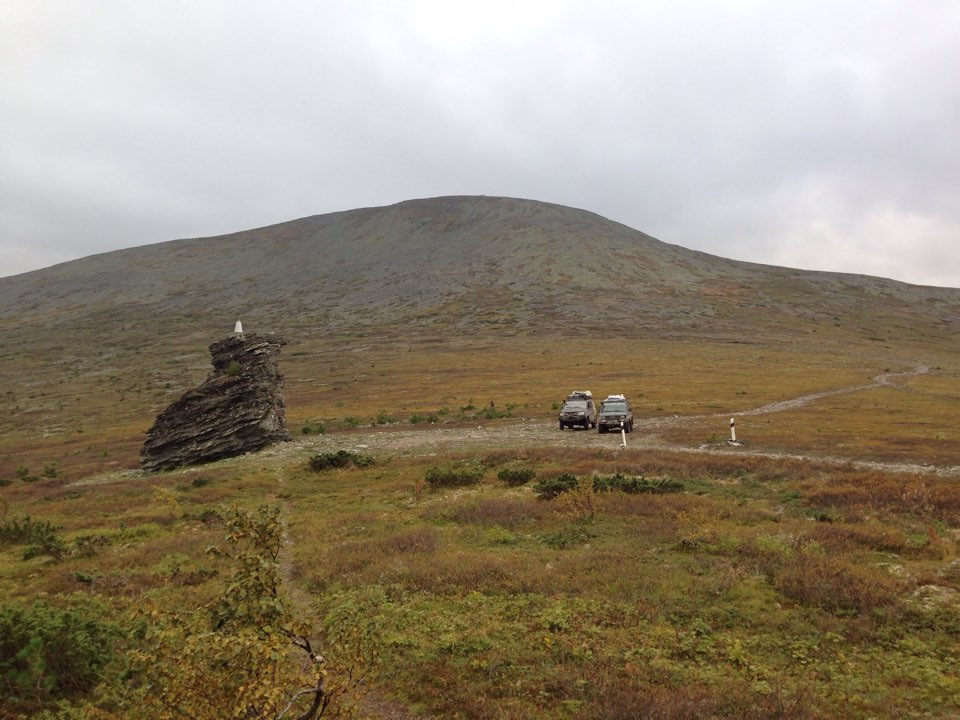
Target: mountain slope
[461,264]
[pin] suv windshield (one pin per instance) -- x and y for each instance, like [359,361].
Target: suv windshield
[574,405]
[614,407]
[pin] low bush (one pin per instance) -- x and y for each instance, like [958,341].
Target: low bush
[39,536]
[568,537]
[316,428]
[48,653]
[454,474]
[549,488]
[493,413]
[24,530]
[23,473]
[49,545]
[514,477]
[339,459]
[635,485]
[89,545]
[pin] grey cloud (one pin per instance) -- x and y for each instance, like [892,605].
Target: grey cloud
[811,134]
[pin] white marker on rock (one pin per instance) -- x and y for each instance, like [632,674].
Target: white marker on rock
[238,328]
[733,430]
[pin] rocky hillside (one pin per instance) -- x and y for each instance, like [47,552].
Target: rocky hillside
[459,264]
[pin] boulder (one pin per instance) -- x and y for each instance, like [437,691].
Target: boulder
[238,409]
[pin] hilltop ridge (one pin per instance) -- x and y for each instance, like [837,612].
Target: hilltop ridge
[462,264]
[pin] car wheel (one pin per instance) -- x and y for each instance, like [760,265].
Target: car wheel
[561,426]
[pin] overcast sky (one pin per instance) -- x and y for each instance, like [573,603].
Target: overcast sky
[821,135]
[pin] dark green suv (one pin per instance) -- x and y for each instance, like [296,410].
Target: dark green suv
[615,413]
[578,410]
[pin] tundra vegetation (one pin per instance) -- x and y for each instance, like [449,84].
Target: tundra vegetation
[467,578]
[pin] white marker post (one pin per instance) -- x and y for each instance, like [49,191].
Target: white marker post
[238,328]
[623,434]
[733,431]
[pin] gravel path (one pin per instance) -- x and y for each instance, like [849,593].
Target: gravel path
[538,433]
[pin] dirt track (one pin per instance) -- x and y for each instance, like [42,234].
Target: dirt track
[538,433]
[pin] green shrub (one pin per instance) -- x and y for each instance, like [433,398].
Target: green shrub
[515,477]
[89,545]
[568,537]
[454,474]
[233,369]
[48,544]
[339,459]
[41,539]
[634,485]
[39,535]
[48,653]
[549,488]
[23,473]
[493,413]
[24,530]
[316,428]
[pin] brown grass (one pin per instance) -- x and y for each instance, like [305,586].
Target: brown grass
[834,584]
[845,537]
[622,697]
[508,512]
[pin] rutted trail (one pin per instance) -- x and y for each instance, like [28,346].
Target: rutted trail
[435,440]
[879,381]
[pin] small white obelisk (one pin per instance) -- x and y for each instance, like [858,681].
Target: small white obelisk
[733,431]
[623,434]
[238,328]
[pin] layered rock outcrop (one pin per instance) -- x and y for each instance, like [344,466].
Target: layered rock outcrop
[238,409]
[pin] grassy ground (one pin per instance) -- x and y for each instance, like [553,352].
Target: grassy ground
[80,416]
[761,587]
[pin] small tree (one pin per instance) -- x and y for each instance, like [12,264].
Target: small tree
[236,658]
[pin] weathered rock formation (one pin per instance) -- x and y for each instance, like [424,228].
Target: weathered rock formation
[238,409]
